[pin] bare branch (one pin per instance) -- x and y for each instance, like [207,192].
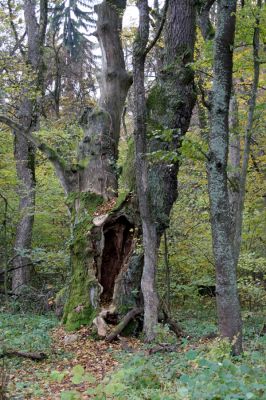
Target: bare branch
[11,17]
[158,34]
[11,123]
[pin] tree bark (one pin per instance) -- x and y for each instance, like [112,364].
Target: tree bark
[204,20]
[234,159]
[97,243]
[228,307]
[102,125]
[24,152]
[25,164]
[169,105]
[148,224]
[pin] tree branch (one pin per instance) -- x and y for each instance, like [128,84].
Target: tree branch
[18,41]
[158,34]
[204,21]
[64,174]
[11,123]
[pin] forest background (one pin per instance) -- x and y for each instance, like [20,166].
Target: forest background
[67,86]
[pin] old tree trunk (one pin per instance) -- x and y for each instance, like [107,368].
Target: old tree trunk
[104,265]
[169,108]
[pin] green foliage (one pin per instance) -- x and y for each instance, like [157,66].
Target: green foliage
[26,332]
[57,376]
[74,16]
[70,395]
[196,371]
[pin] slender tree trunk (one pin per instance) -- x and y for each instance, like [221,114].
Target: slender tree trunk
[204,20]
[25,164]
[234,159]
[248,137]
[167,274]
[24,151]
[228,306]
[149,232]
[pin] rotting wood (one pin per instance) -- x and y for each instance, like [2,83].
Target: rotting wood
[123,323]
[101,326]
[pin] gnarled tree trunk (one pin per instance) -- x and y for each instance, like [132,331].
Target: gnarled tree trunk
[105,258]
[103,237]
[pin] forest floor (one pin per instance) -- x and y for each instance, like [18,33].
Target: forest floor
[79,367]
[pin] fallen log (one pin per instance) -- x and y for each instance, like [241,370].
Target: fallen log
[35,356]
[123,323]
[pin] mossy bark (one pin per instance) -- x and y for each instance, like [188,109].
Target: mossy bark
[106,268]
[82,303]
[95,181]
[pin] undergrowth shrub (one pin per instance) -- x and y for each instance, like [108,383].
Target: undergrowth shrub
[207,372]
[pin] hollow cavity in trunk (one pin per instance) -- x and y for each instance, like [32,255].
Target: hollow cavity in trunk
[118,237]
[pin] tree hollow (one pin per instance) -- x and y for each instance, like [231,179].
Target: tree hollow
[118,237]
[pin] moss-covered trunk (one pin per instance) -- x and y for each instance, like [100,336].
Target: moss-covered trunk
[102,238]
[106,267]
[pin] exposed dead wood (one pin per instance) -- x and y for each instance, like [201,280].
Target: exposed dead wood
[123,323]
[101,326]
[35,356]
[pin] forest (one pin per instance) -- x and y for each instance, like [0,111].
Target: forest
[132,199]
